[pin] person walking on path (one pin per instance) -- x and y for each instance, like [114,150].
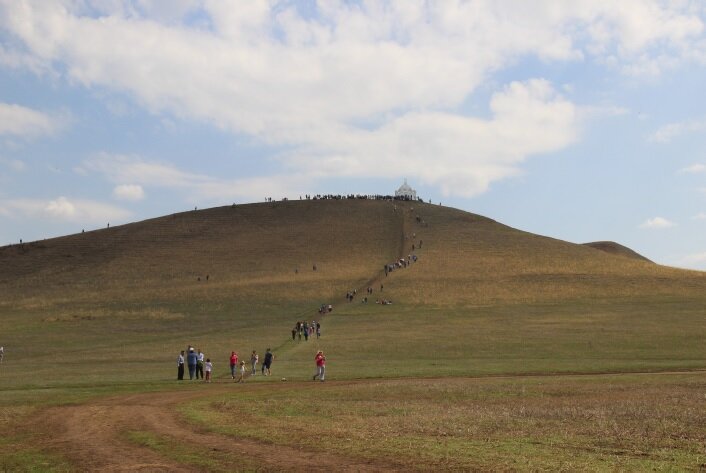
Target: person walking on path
[233,364]
[267,363]
[180,366]
[199,364]
[191,360]
[318,330]
[253,361]
[209,367]
[320,360]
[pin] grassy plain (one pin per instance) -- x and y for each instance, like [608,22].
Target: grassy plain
[412,385]
[633,422]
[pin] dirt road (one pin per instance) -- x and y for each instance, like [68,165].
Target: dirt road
[93,437]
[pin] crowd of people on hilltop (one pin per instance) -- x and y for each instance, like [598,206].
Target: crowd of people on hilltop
[349,197]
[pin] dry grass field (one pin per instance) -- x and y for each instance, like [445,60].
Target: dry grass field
[469,368]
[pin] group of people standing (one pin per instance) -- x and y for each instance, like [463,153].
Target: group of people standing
[237,367]
[196,363]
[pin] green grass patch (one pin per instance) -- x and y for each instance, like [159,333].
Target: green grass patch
[202,458]
[623,422]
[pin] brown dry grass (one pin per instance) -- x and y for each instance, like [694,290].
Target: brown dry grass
[251,252]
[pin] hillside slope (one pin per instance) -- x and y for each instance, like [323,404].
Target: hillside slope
[467,258]
[615,249]
[268,250]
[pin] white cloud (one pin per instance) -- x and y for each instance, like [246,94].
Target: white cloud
[694,261]
[673,130]
[694,169]
[63,209]
[17,120]
[131,192]
[305,82]
[657,223]
[194,186]
[699,216]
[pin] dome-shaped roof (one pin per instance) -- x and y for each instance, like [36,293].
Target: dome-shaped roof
[405,187]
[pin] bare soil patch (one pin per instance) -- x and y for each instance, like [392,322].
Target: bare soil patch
[92,437]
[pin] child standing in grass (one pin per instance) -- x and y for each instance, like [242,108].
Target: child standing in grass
[242,372]
[253,361]
[208,366]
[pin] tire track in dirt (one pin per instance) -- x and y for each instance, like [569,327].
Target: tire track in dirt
[92,437]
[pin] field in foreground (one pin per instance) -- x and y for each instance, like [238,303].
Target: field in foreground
[596,422]
[92,324]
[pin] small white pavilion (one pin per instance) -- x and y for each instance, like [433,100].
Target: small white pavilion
[406,192]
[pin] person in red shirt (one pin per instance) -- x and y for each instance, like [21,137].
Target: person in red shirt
[320,360]
[233,363]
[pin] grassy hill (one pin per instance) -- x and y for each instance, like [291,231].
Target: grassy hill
[507,300]
[106,312]
[267,251]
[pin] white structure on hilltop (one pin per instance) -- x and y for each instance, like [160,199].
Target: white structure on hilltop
[406,192]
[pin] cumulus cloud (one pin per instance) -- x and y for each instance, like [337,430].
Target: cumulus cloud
[132,192]
[657,223]
[17,120]
[63,209]
[346,87]
[699,216]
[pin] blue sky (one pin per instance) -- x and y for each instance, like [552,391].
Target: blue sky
[582,120]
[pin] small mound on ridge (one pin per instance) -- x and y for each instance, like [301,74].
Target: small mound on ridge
[616,249]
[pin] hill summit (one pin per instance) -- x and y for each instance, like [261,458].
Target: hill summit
[319,249]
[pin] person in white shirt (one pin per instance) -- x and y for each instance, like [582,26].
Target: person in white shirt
[208,366]
[180,366]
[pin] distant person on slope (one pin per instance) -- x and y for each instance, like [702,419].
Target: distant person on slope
[191,360]
[233,364]
[180,366]
[320,360]
[2,353]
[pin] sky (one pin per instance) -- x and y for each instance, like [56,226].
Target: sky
[581,120]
